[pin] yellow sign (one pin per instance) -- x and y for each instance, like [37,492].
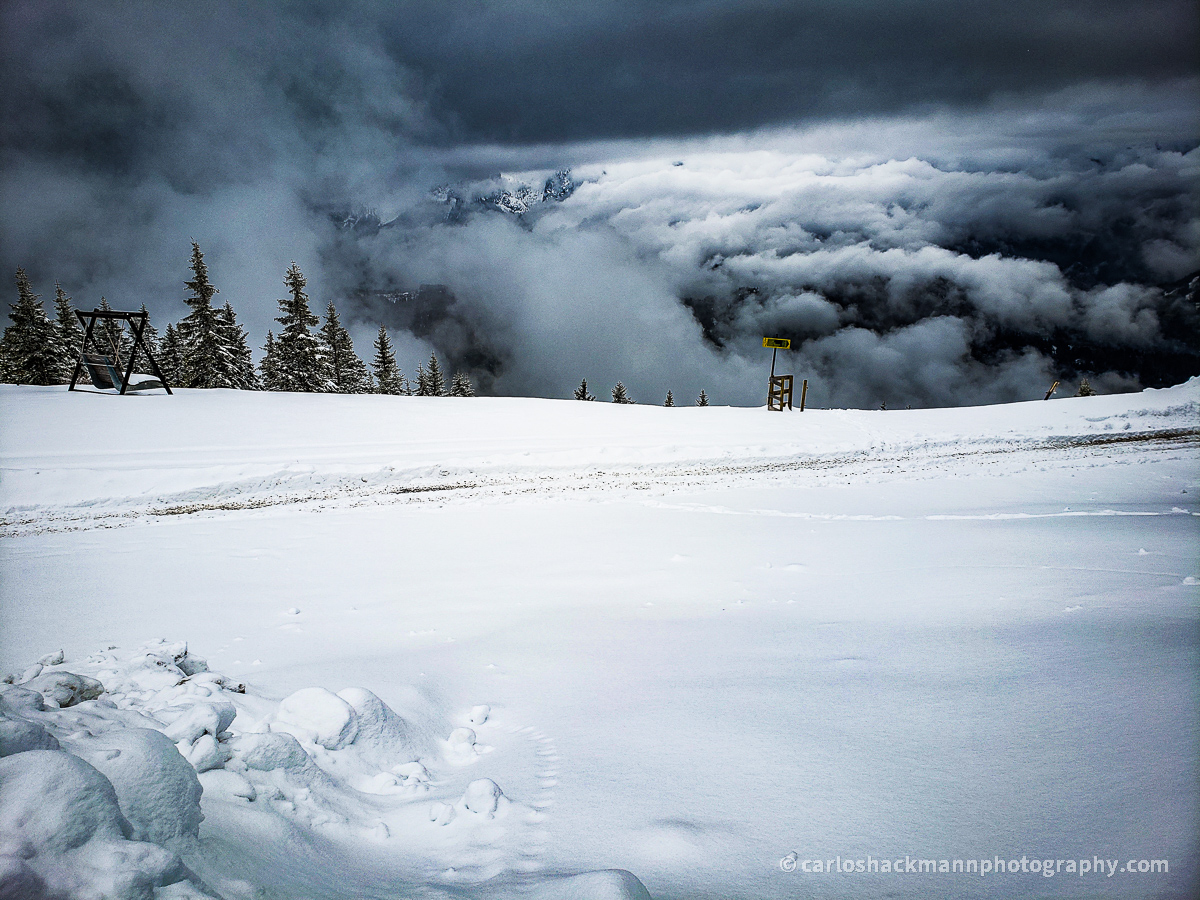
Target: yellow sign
[777,343]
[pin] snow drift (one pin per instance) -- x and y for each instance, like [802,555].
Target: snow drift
[103,791]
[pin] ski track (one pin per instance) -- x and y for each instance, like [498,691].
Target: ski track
[475,485]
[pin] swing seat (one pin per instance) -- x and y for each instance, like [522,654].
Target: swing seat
[104,373]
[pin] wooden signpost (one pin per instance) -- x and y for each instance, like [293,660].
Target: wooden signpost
[779,390]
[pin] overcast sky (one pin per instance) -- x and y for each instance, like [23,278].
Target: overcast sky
[941,202]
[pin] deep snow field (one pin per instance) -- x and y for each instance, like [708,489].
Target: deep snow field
[319,646]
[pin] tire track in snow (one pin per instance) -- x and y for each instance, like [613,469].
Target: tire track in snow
[913,460]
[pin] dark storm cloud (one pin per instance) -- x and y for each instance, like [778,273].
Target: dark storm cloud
[941,202]
[538,71]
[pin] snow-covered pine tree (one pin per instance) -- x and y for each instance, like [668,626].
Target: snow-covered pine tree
[109,335]
[266,369]
[436,382]
[620,395]
[1085,389]
[206,360]
[670,401]
[387,377]
[170,355]
[300,363]
[69,332]
[237,345]
[460,385]
[422,381]
[30,349]
[702,400]
[349,372]
[150,340]
[151,343]
[581,392]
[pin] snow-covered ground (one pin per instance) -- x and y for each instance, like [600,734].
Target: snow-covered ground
[470,647]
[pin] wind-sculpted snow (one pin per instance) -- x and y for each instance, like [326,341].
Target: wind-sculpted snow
[171,781]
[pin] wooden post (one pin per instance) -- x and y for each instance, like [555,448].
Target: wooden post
[803,393]
[1053,388]
[88,325]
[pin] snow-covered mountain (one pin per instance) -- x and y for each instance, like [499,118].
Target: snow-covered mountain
[505,193]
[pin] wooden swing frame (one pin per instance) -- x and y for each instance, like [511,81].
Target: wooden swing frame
[137,322]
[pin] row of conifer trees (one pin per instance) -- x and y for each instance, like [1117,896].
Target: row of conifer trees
[621,395]
[209,349]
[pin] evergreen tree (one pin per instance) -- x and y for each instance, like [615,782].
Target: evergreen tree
[150,339]
[422,381]
[206,359]
[387,378]
[670,400]
[170,355]
[349,372]
[436,383]
[150,344]
[70,334]
[110,337]
[581,392]
[30,350]
[237,346]
[702,400]
[1085,389]
[299,363]
[619,394]
[267,368]
[460,385]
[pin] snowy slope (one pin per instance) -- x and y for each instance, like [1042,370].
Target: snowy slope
[692,644]
[68,456]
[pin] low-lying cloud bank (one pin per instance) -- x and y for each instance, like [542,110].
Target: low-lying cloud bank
[929,256]
[899,281]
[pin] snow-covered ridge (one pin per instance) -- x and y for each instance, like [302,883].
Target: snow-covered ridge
[143,774]
[77,460]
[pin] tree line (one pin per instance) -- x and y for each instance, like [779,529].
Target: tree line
[209,349]
[620,394]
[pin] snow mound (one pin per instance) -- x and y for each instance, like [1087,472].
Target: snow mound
[482,797]
[156,787]
[62,834]
[51,801]
[18,735]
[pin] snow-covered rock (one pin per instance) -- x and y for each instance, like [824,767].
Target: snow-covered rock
[269,751]
[382,735]
[203,718]
[63,689]
[319,717]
